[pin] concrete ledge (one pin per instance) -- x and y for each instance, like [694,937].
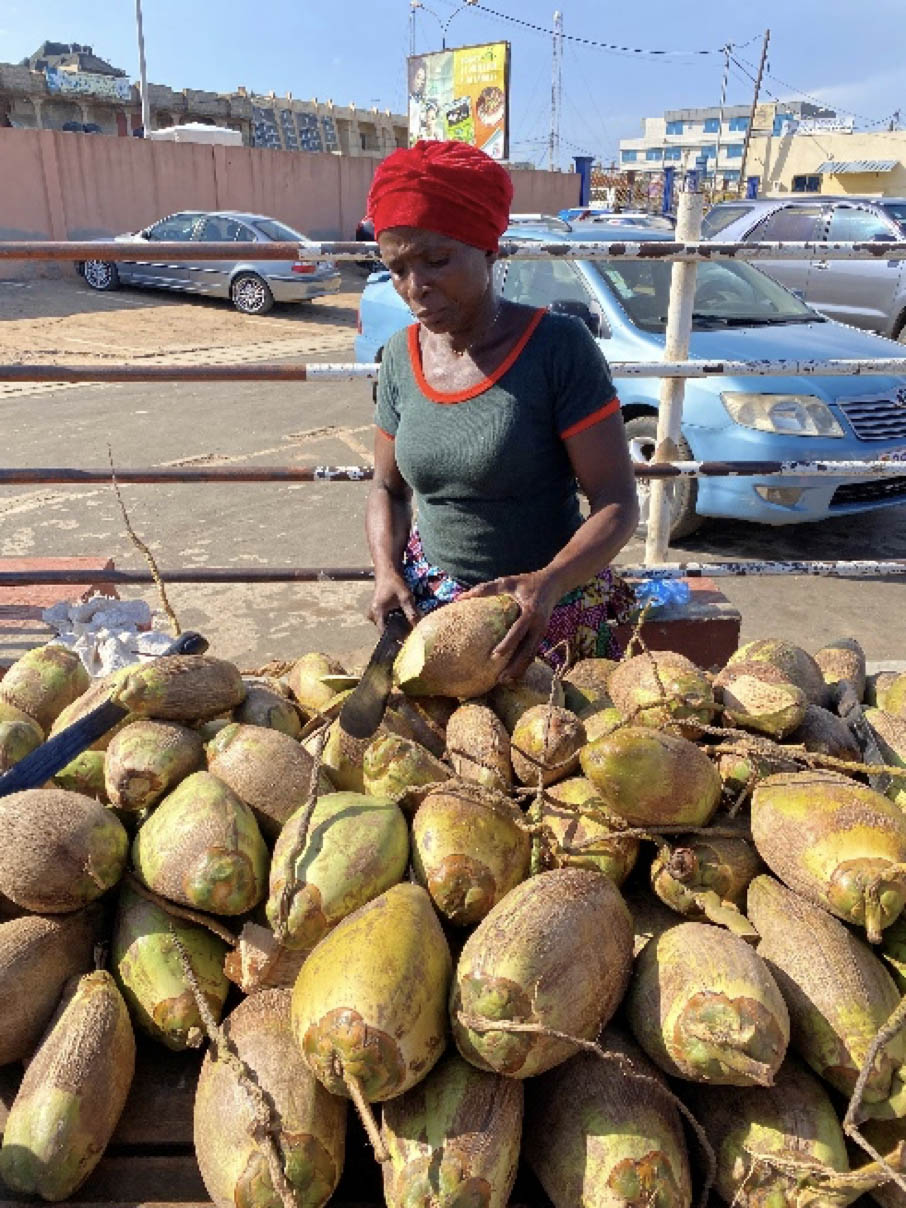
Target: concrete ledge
[705,630]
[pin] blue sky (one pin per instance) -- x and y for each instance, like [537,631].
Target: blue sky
[850,54]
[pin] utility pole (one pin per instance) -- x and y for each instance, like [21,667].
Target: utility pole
[556,92]
[412,7]
[142,71]
[720,114]
[748,137]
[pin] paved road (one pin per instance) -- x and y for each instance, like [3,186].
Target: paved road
[321,524]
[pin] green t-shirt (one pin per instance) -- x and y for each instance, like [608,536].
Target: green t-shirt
[493,487]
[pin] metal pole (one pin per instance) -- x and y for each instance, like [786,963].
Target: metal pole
[556,85]
[748,138]
[413,5]
[142,71]
[676,347]
[720,115]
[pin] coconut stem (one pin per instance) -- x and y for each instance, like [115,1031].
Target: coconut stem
[180,912]
[292,881]
[366,1115]
[476,1023]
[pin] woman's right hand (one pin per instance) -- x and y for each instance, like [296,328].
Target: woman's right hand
[391,591]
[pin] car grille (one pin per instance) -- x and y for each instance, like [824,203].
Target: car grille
[876,418]
[870,491]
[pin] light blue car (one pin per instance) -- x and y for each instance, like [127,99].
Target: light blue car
[740,314]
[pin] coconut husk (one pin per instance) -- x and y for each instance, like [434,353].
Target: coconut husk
[450,650]
[17,739]
[661,687]
[269,771]
[890,735]
[85,774]
[478,747]
[795,665]
[146,759]
[399,769]
[694,870]
[183,687]
[9,712]
[759,696]
[265,706]
[578,833]
[538,685]
[843,662]
[306,680]
[43,681]
[893,698]
[259,962]
[545,744]
[585,686]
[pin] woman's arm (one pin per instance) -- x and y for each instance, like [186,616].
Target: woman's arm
[599,456]
[388,515]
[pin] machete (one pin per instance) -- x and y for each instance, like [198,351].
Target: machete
[363,709]
[46,760]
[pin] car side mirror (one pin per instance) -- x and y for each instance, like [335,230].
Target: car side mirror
[145,233]
[578,310]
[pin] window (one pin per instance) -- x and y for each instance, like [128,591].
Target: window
[675,127]
[277,231]
[654,153]
[720,217]
[628,157]
[178,227]
[897,211]
[673,153]
[806,184]
[851,225]
[709,152]
[224,230]
[780,120]
[712,125]
[541,282]
[794,224]
[739,123]
[730,174]
[733,150]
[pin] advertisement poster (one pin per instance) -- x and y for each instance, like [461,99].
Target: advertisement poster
[462,94]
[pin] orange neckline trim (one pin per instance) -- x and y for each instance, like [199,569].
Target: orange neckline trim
[460,396]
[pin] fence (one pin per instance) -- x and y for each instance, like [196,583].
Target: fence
[659,471]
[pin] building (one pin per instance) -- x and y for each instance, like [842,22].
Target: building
[67,87]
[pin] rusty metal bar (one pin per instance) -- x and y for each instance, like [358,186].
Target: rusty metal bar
[860,569]
[598,249]
[347,371]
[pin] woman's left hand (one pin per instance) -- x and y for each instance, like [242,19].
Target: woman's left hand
[537,595]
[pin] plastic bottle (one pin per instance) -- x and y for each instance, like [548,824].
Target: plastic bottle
[662,591]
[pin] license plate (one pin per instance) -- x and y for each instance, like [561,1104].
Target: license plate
[893,455]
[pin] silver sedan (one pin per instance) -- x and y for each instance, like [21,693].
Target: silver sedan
[253,286]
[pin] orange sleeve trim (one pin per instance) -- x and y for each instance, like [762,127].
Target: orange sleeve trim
[383,433]
[590,420]
[437,396]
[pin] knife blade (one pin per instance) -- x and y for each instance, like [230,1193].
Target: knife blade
[363,709]
[46,760]
[850,710]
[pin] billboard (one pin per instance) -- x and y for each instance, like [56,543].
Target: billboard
[462,94]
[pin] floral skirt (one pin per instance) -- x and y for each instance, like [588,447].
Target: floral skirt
[579,627]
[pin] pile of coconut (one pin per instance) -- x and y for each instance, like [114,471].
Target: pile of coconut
[637,928]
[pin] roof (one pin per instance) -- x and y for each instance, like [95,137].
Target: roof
[841,167]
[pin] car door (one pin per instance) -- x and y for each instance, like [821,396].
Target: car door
[159,271]
[861,292]
[214,276]
[790,224]
[549,283]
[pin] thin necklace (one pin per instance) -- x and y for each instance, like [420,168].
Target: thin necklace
[461,352]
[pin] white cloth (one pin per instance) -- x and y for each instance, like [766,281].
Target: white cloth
[107,634]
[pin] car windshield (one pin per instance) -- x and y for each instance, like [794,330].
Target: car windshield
[272,229]
[897,211]
[720,217]
[727,294]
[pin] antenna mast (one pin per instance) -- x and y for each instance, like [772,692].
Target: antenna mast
[556,93]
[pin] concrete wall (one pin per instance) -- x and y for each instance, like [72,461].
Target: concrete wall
[778,160]
[72,186]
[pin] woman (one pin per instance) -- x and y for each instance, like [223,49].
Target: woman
[491,415]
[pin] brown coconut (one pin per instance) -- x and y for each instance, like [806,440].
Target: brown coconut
[545,743]
[585,685]
[307,1125]
[85,774]
[100,690]
[267,706]
[759,696]
[58,850]
[17,739]
[180,687]
[536,686]
[478,747]
[269,771]
[661,686]
[450,650]
[400,769]
[843,662]
[894,698]
[795,664]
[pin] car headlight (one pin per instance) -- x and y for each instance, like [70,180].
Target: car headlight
[788,414]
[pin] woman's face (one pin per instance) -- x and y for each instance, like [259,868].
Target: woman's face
[419,79]
[443,282]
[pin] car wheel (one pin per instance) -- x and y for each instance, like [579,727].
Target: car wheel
[641,433]
[100,274]
[901,335]
[251,295]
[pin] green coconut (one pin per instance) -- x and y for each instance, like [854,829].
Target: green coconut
[17,739]
[536,686]
[85,774]
[704,1007]
[780,1146]
[652,778]
[148,758]
[309,1125]
[202,847]
[838,993]
[478,747]
[876,686]
[890,735]
[9,712]
[555,953]
[369,1003]
[741,765]
[758,696]
[706,877]
[843,662]
[73,1092]
[58,850]
[150,973]
[893,700]
[575,819]
[660,687]
[601,722]
[606,1133]
[356,848]
[795,665]
[453,1140]
[545,744]
[269,771]
[450,650]
[100,691]
[306,680]
[43,681]
[837,843]
[470,847]
[265,706]
[585,685]
[399,769]
[180,687]
[38,955]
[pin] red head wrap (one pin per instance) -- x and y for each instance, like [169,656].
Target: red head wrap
[451,188]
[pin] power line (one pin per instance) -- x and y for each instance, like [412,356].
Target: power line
[873,121]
